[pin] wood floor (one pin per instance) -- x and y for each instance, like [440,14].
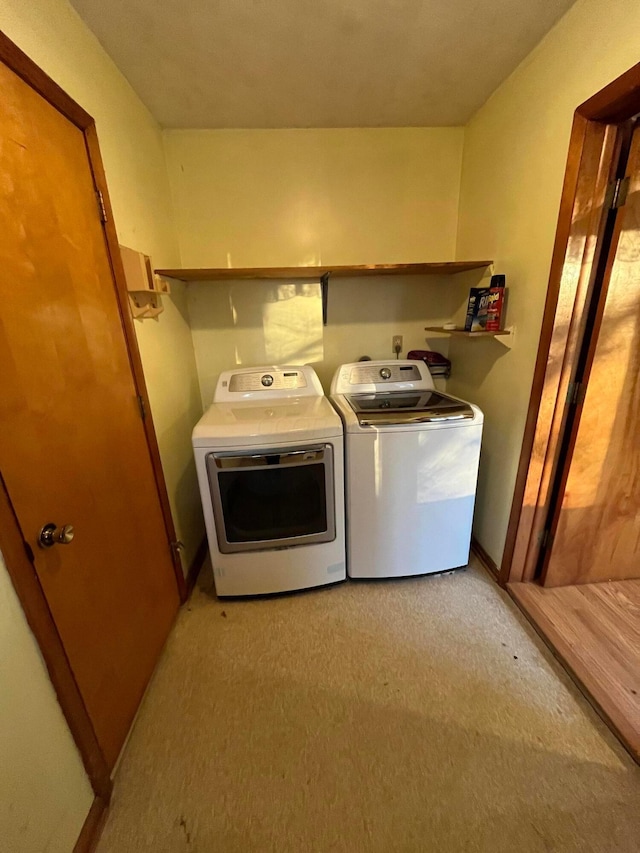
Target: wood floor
[595,630]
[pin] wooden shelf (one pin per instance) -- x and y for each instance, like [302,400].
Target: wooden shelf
[223,274]
[481,334]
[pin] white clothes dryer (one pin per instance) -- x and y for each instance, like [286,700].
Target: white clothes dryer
[270,461]
[412,457]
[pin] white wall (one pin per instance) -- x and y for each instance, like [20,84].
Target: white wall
[305,197]
[44,792]
[513,165]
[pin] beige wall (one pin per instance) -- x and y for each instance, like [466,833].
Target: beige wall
[44,792]
[290,197]
[513,165]
[172,381]
[338,196]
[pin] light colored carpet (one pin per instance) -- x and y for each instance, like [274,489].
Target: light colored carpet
[413,715]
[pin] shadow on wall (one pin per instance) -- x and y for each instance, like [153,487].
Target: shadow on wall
[291,318]
[479,362]
[249,323]
[252,323]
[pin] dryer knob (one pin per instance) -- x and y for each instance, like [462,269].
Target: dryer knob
[267,380]
[385,373]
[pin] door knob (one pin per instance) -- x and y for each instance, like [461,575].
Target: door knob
[51,535]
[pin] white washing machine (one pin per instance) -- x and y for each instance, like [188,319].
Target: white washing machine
[412,457]
[270,460]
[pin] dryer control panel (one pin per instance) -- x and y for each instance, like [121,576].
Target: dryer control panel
[270,382]
[271,379]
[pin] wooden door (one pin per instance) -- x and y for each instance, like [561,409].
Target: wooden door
[72,446]
[597,525]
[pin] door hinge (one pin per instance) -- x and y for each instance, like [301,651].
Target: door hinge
[545,538]
[616,193]
[142,407]
[576,393]
[101,206]
[176,547]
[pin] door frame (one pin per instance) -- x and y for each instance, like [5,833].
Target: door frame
[12,543]
[608,109]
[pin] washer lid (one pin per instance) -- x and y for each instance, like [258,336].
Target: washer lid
[386,408]
[277,421]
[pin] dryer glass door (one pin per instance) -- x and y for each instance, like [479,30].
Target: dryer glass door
[272,500]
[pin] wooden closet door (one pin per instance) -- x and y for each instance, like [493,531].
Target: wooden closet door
[73,450]
[597,537]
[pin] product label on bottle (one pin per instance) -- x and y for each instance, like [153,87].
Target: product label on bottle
[495,301]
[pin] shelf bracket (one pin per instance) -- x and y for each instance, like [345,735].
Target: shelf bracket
[324,287]
[145,304]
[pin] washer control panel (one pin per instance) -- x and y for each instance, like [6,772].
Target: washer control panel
[365,374]
[364,377]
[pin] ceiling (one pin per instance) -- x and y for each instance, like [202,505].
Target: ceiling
[317,63]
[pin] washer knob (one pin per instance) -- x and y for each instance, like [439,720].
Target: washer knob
[267,380]
[385,373]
